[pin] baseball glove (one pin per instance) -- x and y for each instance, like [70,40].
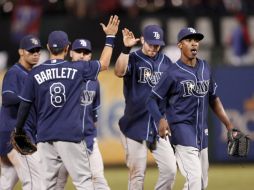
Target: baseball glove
[238,143]
[22,143]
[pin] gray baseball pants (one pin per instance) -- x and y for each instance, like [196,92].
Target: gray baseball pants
[136,158]
[193,165]
[75,159]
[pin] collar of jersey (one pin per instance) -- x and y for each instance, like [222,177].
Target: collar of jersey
[19,66]
[54,62]
[187,66]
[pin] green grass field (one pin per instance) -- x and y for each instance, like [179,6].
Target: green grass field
[221,177]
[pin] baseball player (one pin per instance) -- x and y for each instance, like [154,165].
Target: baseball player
[81,49]
[54,86]
[141,70]
[15,166]
[189,89]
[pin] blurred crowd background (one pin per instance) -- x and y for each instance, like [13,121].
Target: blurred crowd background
[217,19]
[133,8]
[228,26]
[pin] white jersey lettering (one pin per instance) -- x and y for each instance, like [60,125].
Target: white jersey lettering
[38,78]
[43,76]
[87,97]
[198,89]
[149,77]
[48,73]
[55,73]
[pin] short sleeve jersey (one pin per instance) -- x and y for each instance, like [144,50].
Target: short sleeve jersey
[188,91]
[90,103]
[142,74]
[55,88]
[13,82]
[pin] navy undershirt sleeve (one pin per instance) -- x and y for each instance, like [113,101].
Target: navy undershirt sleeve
[23,112]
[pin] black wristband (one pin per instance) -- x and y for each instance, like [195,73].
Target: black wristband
[126,50]
[110,39]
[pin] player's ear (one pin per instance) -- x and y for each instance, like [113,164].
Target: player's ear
[21,52]
[71,53]
[48,47]
[142,40]
[66,50]
[180,45]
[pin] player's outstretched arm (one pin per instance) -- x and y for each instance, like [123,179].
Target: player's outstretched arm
[238,142]
[110,30]
[129,41]
[220,112]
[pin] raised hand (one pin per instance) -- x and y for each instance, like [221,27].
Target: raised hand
[129,39]
[112,26]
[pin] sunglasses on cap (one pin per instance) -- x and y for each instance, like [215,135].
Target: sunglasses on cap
[34,50]
[84,51]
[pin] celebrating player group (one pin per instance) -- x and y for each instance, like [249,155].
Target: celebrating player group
[49,112]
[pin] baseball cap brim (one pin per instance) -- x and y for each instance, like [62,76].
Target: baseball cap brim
[155,42]
[32,47]
[197,36]
[82,49]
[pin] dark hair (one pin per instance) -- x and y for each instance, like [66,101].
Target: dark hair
[56,51]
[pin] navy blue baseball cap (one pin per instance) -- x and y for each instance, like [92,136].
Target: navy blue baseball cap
[58,39]
[29,42]
[81,44]
[189,32]
[153,35]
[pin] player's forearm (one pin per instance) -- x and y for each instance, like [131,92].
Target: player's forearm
[24,109]
[121,64]
[110,31]
[221,113]
[105,57]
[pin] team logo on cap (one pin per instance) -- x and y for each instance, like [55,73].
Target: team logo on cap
[83,43]
[34,41]
[156,35]
[192,30]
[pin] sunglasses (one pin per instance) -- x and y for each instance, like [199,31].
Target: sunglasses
[34,50]
[84,51]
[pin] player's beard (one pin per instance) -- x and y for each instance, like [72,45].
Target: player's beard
[151,53]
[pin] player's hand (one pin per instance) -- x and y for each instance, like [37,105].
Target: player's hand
[129,39]
[164,129]
[112,26]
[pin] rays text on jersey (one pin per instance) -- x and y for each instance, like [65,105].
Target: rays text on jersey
[147,76]
[198,89]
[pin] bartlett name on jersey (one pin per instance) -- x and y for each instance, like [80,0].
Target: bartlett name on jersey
[55,73]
